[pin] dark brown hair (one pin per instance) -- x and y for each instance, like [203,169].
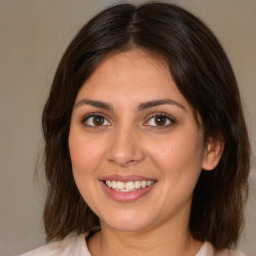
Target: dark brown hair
[202,73]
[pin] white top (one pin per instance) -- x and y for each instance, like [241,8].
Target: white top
[77,246]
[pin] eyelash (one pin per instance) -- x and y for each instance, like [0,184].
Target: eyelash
[86,118]
[156,115]
[161,115]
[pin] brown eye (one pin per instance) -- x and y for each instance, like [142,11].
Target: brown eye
[160,121]
[96,121]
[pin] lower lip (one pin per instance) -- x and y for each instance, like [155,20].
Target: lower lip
[126,196]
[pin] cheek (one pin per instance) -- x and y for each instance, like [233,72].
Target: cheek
[178,156]
[85,153]
[179,160]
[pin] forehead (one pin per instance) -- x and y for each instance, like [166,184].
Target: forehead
[131,73]
[120,63]
[127,80]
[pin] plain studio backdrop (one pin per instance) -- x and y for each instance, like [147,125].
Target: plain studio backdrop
[33,36]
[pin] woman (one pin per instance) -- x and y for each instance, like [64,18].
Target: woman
[146,150]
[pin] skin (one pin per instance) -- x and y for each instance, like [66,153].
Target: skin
[129,141]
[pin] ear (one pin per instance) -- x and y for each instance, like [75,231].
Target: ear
[213,152]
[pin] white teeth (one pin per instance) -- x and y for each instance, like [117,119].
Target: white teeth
[149,183]
[113,184]
[109,183]
[120,185]
[137,184]
[128,186]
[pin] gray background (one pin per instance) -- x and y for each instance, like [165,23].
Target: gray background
[33,36]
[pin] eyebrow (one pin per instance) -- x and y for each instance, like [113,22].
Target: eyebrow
[155,103]
[94,103]
[142,106]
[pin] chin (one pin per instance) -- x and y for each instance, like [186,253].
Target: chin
[127,222]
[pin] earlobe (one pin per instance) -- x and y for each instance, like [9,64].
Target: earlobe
[213,152]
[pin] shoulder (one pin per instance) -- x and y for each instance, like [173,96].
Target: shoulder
[208,250]
[72,246]
[228,252]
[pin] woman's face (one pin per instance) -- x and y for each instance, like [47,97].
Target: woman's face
[135,147]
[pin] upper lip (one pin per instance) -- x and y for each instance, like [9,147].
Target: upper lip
[126,178]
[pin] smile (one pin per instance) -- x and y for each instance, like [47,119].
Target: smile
[128,186]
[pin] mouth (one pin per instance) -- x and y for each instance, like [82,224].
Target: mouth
[129,186]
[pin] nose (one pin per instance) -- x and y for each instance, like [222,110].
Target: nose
[125,148]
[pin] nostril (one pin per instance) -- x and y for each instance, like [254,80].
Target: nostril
[124,150]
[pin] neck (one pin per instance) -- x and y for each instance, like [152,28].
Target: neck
[156,241]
